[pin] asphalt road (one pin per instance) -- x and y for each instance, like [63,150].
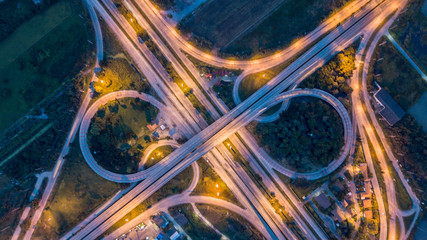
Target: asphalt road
[259,110]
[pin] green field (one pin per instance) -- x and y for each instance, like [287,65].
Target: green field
[293,19]
[32,31]
[78,193]
[51,61]
[217,25]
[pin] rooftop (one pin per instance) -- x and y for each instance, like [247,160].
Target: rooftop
[391,111]
[323,201]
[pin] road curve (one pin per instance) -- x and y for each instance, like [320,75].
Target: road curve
[153,147]
[264,63]
[179,199]
[348,133]
[84,127]
[128,178]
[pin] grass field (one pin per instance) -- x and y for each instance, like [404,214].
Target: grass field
[211,184]
[396,75]
[32,31]
[229,223]
[79,192]
[47,64]
[219,22]
[253,82]
[293,19]
[157,155]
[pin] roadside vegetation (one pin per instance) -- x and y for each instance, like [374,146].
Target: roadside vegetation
[306,137]
[252,82]
[175,186]
[290,21]
[394,73]
[411,32]
[146,39]
[301,186]
[164,4]
[257,179]
[222,88]
[334,76]
[229,223]
[118,134]
[78,192]
[196,228]
[409,141]
[157,155]
[210,184]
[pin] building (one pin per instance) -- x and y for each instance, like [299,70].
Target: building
[365,195]
[160,220]
[161,236]
[368,214]
[323,201]
[390,110]
[173,234]
[368,186]
[180,219]
[367,203]
[364,170]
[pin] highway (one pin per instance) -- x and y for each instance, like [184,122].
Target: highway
[168,32]
[140,61]
[366,131]
[395,213]
[153,147]
[256,109]
[109,22]
[308,64]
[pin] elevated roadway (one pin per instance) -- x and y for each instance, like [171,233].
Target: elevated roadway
[237,114]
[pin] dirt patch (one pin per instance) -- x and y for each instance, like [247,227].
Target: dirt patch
[222,21]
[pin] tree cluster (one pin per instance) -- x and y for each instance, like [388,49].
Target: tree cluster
[332,77]
[409,143]
[309,134]
[110,137]
[224,91]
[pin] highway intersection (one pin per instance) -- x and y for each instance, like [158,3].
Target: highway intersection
[206,141]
